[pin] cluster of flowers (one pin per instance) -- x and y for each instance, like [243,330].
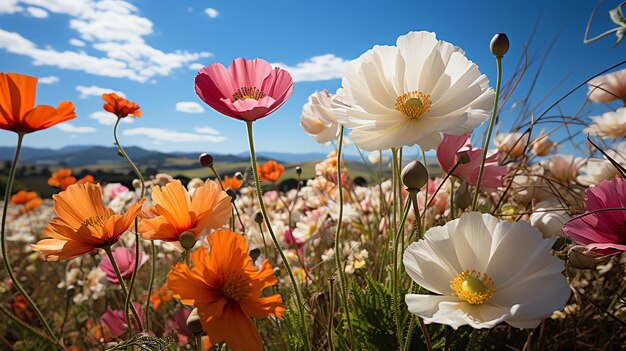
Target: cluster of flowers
[477,242]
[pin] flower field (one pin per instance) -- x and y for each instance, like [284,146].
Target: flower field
[515,244]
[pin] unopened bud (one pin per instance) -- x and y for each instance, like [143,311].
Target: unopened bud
[187,240]
[254,254]
[259,217]
[463,157]
[462,197]
[542,147]
[232,194]
[193,322]
[414,175]
[239,176]
[206,160]
[499,45]
[70,291]
[582,258]
[298,170]
[136,183]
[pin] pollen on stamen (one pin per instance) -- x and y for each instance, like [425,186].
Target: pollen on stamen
[473,287]
[248,93]
[413,104]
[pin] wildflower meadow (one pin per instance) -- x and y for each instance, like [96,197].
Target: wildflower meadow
[468,218]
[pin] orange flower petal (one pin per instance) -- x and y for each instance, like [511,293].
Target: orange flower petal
[59,250]
[79,203]
[233,327]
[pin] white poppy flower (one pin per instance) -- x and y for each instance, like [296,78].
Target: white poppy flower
[610,125]
[485,271]
[407,94]
[608,87]
[318,118]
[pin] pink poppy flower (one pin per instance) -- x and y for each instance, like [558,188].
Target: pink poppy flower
[247,90]
[604,230]
[448,154]
[125,260]
[115,321]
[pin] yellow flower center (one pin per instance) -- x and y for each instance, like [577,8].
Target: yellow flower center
[413,104]
[248,93]
[470,286]
[96,221]
[236,286]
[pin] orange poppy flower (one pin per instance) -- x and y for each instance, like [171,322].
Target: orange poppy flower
[57,177]
[32,205]
[226,289]
[86,179]
[208,209]
[18,112]
[119,106]
[270,171]
[22,197]
[233,183]
[83,223]
[22,309]
[160,296]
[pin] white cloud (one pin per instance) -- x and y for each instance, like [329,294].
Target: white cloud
[323,67]
[112,27]
[189,107]
[70,128]
[9,6]
[211,12]
[49,80]
[168,135]
[37,12]
[206,130]
[108,118]
[196,66]
[77,42]
[93,90]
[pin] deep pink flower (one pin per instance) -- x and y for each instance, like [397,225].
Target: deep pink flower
[448,154]
[125,260]
[605,230]
[247,90]
[115,320]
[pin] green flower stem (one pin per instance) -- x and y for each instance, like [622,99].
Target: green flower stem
[28,327]
[259,195]
[136,267]
[395,277]
[231,220]
[343,282]
[107,249]
[5,256]
[492,121]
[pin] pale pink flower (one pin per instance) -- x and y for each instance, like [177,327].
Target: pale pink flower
[125,260]
[511,145]
[564,168]
[247,90]
[608,87]
[602,230]
[454,146]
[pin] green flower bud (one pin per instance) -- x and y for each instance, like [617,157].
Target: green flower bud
[414,175]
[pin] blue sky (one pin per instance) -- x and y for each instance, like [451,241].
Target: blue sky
[150,50]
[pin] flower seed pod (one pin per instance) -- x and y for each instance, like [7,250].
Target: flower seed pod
[239,176]
[582,258]
[463,157]
[298,170]
[232,194]
[258,218]
[187,240]
[462,197]
[193,323]
[206,160]
[499,45]
[414,175]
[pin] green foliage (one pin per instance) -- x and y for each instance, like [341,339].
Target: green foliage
[372,316]
[147,343]
[293,323]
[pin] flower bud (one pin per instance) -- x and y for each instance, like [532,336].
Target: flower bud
[232,194]
[298,170]
[239,176]
[259,217]
[462,197]
[187,240]
[206,160]
[499,45]
[414,175]
[193,322]
[136,184]
[542,147]
[463,157]
[582,258]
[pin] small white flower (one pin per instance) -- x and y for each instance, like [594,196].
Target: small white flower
[564,168]
[410,93]
[608,87]
[609,125]
[485,271]
[318,118]
[549,217]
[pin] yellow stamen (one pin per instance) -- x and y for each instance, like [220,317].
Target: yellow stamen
[471,287]
[413,104]
[236,286]
[248,93]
